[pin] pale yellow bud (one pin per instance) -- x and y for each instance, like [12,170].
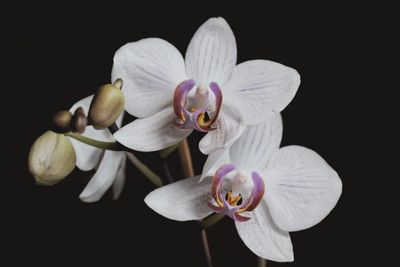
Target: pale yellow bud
[51,158]
[107,105]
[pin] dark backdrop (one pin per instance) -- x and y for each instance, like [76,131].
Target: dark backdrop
[55,54]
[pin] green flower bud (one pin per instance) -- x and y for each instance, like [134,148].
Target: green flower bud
[79,120]
[51,158]
[62,121]
[107,105]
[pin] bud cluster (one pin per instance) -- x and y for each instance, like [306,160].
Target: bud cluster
[52,156]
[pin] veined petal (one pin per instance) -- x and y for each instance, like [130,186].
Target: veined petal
[119,180]
[264,238]
[150,69]
[258,89]
[87,156]
[214,161]
[228,129]
[184,200]
[151,134]
[257,144]
[301,188]
[104,176]
[211,54]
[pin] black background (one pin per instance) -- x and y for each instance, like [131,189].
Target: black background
[54,54]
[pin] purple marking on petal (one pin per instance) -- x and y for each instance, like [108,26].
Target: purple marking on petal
[190,120]
[256,194]
[180,96]
[240,218]
[218,180]
[218,102]
[215,208]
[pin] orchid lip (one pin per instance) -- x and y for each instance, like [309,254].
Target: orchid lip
[230,205]
[197,115]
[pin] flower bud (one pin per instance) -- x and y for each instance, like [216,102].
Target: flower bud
[62,121]
[51,158]
[107,105]
[79,120]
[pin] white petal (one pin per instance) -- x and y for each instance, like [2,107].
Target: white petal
[301,188]
[87,156]
[257,144]
[259,89]
[228,130]
[184,200]
[119,180]
[118,122]
[104,176]
[264,238]
[150,69]
[151,134]
[211,54]
[214,161]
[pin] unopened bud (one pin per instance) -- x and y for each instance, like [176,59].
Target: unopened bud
[51,158]
[79,120]
[107,105]
[62,121]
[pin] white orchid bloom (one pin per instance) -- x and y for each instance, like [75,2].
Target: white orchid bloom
[268,191]
[110,165]
[206,92]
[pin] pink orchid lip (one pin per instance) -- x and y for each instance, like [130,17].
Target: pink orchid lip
[180,96]
[195,117]
[230,205]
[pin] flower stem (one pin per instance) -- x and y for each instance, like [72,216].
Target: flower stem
[114,146]
[186,159]
[211,220]
[187,166]
[164,153]
[167,172]
[154,178]
[206,247]
[96,143]
[261,262]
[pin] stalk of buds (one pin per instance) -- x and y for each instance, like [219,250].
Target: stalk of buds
[52,156]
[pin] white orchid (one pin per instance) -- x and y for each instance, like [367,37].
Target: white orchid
[206,92]
[110,165]
[291,188]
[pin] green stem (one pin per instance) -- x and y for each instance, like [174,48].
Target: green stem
[211,220]
[206,247]
[164,153]
[261,262]
[114,146]
[154,178]
[92,142]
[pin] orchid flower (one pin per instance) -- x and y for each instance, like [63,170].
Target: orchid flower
[109,165]
[268,191]
[206,92]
